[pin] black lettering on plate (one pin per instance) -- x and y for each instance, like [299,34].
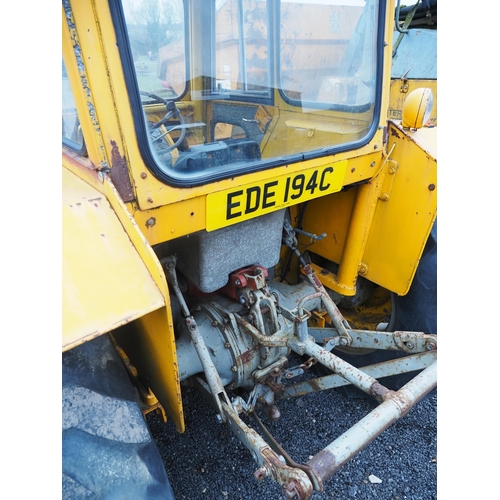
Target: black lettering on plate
[322,186]
[250,208]
[267,195]
[230,205]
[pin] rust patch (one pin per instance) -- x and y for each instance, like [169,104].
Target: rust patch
[377,390]
[247,356]
[323,464]
[394,133]
[119,174]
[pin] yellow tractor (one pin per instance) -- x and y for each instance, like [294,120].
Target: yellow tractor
[238,210]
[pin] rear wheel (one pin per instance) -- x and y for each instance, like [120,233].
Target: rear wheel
[108,452]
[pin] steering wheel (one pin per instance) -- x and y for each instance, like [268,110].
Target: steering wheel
[172,112]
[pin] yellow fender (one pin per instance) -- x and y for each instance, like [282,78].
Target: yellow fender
[110,280]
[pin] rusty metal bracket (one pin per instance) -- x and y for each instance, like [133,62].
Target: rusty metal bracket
[294,481]
[412,363]
[211,373]
[300,480]
[403,88]
[338,320]
[396,404]
[318,484]
[272,322]
[415,341]
[409,342]
[337,365]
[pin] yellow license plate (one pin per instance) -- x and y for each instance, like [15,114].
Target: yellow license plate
[258,198]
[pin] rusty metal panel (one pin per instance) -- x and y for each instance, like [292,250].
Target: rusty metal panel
[105,282]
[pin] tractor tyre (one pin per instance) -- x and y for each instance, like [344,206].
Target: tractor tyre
[107,449]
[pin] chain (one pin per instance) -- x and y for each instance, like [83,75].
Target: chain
[308,363]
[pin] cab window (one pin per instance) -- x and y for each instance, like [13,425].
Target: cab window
[156,36]
[242,51]
[71,130]
[225,87]
[327,53]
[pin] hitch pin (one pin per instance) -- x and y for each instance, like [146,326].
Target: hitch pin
[330,343]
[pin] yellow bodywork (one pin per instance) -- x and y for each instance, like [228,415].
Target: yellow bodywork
[115,210]
[111,277]
[399,90]
[408,202]
[105,282]
[360,227]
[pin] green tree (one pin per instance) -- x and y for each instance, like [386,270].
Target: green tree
[156,23]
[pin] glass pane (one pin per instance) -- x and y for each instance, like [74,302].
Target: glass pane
[156,35]
[269,81]
[242,46]
[341,34]
[71,130]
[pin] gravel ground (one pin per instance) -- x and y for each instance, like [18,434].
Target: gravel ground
[207,462]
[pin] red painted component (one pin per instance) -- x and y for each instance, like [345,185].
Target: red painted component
[253,277]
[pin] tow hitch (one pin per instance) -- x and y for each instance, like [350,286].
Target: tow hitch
[243,339]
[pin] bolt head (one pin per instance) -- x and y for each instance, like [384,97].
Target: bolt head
[363,268]
[291,490]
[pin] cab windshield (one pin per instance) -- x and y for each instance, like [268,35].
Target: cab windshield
[244,85]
